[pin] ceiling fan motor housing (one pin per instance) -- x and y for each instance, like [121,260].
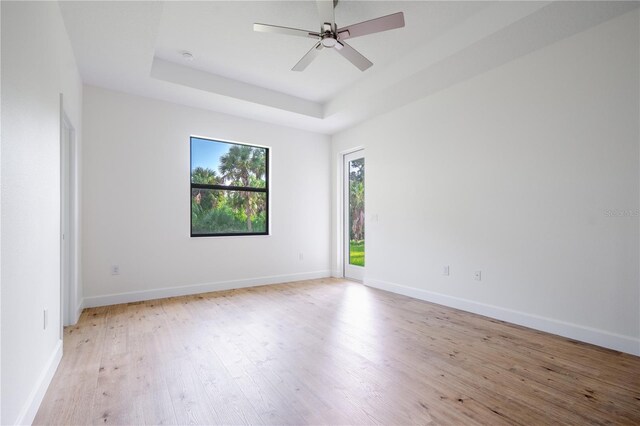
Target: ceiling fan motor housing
[328,36]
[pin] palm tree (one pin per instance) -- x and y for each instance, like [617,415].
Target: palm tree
[204,175]
[356,199]
[244,166]
[356,204]
[211,198]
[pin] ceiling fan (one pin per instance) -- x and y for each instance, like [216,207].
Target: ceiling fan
[330,36]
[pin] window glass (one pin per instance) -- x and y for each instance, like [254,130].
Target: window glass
[229,188]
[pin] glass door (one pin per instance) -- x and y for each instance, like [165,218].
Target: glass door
[354,240]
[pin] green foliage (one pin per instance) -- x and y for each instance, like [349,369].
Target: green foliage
[356,199]
[207,198]
[243,165]
[204,175]
[223,219]
[356,212]
[356,253]
[226,211]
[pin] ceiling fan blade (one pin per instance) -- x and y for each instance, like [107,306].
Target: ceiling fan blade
[325,9]
[265,28]
[384,23]
[353,56]
[308,57]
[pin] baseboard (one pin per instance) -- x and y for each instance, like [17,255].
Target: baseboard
[337,274]
[160,293]
[28,413]
[594,336]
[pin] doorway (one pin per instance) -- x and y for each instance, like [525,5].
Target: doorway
[67,237]
[354,213]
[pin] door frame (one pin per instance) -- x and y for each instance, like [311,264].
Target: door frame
[349,271]
[69,207]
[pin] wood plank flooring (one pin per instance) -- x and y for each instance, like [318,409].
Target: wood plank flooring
[328,352]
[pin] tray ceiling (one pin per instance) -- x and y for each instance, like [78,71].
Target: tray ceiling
[136,47]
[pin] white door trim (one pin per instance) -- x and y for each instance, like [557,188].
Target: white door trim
[68,220]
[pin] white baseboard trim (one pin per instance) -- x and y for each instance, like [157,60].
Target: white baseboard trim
[337,274]
[594,336]
[160,293]
[30,409]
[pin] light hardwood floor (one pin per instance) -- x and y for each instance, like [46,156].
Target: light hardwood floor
[328,352]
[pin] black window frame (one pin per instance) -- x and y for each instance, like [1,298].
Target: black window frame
[264,190]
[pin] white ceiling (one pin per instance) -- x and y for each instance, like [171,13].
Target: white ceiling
[136,47]
[221,36]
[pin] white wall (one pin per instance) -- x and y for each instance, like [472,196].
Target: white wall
[37,65]
[512,173]
[136,202]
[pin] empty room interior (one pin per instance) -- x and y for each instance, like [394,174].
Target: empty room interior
[320,212]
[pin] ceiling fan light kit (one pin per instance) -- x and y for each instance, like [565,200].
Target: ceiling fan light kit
[330,36]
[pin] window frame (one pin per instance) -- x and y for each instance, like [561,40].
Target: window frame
[264,190]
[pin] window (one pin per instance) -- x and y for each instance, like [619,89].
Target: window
[229,188]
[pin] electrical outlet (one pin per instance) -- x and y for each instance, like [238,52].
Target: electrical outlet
[445,270]
[45,318]
[115,270]
[477,275]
